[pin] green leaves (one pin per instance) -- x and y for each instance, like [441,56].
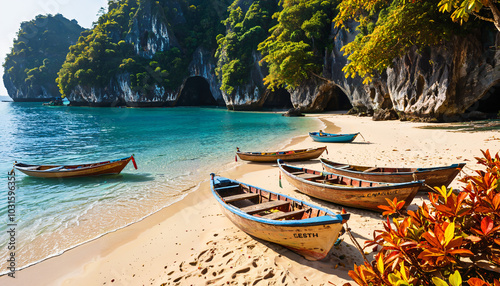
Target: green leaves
[400,26]
[462,9]
[294,49]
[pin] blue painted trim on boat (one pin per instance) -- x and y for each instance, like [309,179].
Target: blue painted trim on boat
[333,138]
[331,218]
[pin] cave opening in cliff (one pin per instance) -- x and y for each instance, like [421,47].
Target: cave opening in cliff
[489,104]
[338,101]
[278,99]
[196,92]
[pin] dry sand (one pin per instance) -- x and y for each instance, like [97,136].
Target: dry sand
[191,243]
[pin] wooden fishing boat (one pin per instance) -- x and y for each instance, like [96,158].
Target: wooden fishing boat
[302,227]
[348,191]
[436,176]
[333,138]
[70,171]
[291,155]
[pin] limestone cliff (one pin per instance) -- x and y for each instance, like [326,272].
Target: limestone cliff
[31,67]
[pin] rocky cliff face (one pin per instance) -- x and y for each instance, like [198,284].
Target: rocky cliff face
[149,34]
[444,81]
[252,95]
[438,84]
[33,93]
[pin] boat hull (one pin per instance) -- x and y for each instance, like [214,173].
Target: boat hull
[112,167]
[333,138]
[434,177]
[297,155]
[312,242]
[311,234]
[358,195]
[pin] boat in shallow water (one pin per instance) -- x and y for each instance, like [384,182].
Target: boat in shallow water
[309,230]
[332,137]
[71,171]
[434,177]
[290,155]
[347,191]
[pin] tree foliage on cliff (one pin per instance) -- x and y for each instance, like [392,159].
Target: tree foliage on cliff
[39,50]
[243,33]
[104,53]
[95,58]
[297,43]
[486,10]
[387,29]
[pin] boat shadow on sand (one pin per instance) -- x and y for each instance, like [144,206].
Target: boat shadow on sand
[340,255]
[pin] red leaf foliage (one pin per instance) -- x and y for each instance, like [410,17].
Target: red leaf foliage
[458,231]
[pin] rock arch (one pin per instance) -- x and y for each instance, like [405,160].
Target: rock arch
[196,92]
[338,100]
[486,106]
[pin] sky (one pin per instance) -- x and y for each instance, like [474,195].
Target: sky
[13,12]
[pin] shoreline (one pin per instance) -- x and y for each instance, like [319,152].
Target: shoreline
[177,239]
[165,210]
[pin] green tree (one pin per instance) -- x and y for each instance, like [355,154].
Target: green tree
[293,51]
[39,51]
[486,10]
[387,30]
[244,30]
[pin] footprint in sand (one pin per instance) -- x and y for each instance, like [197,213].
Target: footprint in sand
[244,270]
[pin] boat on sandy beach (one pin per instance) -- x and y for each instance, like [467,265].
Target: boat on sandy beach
[332,137]
[290,155]
[347,191]
[71,171]
[436,176]
[302,227]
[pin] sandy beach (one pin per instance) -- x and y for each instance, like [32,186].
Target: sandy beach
[191,243]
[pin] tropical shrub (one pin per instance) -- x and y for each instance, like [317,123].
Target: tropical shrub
[456,238]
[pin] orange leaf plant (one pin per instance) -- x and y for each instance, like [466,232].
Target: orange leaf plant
[455,238]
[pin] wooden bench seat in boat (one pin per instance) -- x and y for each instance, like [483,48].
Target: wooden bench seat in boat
[239,197]
[343,167]
[370,169]
[307,176]
[283,215]
[227,187]
[253,209]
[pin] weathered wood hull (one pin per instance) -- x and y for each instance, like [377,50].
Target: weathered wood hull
[291,155]
[72,171]
[333,138]
[312,235]
[347,191]
[437,176]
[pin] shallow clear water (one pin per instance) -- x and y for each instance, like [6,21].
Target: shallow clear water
[175,149]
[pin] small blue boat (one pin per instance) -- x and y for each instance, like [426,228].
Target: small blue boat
[332,138]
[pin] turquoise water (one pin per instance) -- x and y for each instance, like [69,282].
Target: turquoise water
[175,149]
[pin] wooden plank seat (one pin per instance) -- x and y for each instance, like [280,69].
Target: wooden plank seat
[253,209]
[370,169]
[343,167]
[283,215]
[297,173]
[239,197]
[307,176]
[226,187]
